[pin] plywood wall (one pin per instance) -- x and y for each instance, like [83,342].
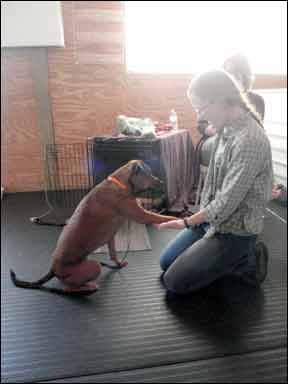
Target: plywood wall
[21,161]
[88,87]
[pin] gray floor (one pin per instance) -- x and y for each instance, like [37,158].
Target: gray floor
[129,331]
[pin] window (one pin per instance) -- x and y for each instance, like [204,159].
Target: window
[187,37]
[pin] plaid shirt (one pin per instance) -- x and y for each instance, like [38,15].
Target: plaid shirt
[239,181]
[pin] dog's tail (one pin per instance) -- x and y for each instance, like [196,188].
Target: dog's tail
[39,285]
[32,285]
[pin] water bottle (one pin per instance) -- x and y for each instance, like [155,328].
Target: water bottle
[173,119]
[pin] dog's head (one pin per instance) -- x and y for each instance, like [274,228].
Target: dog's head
[142,182]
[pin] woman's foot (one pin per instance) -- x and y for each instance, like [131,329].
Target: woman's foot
[258,274]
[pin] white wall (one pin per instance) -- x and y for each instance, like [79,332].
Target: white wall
[275,124]
[31,24]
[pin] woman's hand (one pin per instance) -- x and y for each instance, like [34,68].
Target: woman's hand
[174,224]
[196,219]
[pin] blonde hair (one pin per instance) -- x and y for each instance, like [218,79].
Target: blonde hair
[219,86]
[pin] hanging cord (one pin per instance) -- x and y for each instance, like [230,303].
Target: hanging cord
[37,219]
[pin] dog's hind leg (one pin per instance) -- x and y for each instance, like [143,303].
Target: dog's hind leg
[77,278]
[113,254]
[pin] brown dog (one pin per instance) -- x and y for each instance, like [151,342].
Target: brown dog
[94,223]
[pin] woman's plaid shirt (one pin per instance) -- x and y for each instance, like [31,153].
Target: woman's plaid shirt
[239,179]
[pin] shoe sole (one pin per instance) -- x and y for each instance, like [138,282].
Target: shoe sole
[261,261]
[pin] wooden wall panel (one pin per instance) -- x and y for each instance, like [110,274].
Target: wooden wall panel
[21,152]
[86,96]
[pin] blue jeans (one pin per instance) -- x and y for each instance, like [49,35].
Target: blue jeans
[191,262]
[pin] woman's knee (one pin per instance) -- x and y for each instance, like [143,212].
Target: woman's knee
[164,263]
[175,284]
[182,241]
[181,285]
[196,267]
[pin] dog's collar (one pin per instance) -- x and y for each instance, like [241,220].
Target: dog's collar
[117,182]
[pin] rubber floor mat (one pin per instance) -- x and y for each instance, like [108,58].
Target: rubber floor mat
[255,367]
[130,325]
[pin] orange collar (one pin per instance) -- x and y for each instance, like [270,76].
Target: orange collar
[117,182]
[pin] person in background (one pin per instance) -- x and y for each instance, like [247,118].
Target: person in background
[238,66]
[220,239]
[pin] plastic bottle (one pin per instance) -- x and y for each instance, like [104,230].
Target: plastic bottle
[173,119]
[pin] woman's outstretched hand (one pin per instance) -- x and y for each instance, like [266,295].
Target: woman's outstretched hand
[194,220]
[174,224]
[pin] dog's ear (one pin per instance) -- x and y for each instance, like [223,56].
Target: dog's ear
[135,168]
[140,166]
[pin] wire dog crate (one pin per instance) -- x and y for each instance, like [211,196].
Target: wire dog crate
[72,170]
[68,175]
[67,181]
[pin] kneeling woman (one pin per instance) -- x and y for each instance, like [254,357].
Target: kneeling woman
[220,239]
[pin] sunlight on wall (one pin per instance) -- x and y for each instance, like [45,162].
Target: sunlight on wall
[187,37]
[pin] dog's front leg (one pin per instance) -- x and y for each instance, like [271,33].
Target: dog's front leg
[134,211]
[113,254]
